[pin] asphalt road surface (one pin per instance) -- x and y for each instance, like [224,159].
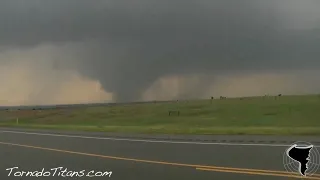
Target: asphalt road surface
[104,156]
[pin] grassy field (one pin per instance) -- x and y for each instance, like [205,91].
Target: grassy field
[287,115]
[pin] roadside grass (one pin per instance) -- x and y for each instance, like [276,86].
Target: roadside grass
[287,115]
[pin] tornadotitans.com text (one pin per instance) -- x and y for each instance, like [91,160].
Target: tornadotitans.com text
[57,172]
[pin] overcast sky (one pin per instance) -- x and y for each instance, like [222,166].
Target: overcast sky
[75,51]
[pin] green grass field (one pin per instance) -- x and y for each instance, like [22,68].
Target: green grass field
[288,115]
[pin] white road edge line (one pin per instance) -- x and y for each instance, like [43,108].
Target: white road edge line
[147,141]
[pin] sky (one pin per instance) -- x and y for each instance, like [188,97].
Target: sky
[80,51]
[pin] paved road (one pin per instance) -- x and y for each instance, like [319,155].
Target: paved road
[142,159]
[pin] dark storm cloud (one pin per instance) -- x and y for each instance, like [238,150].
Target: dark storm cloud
[127,45]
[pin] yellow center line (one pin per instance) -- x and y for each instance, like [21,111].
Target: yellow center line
[199,167]
[258,173]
